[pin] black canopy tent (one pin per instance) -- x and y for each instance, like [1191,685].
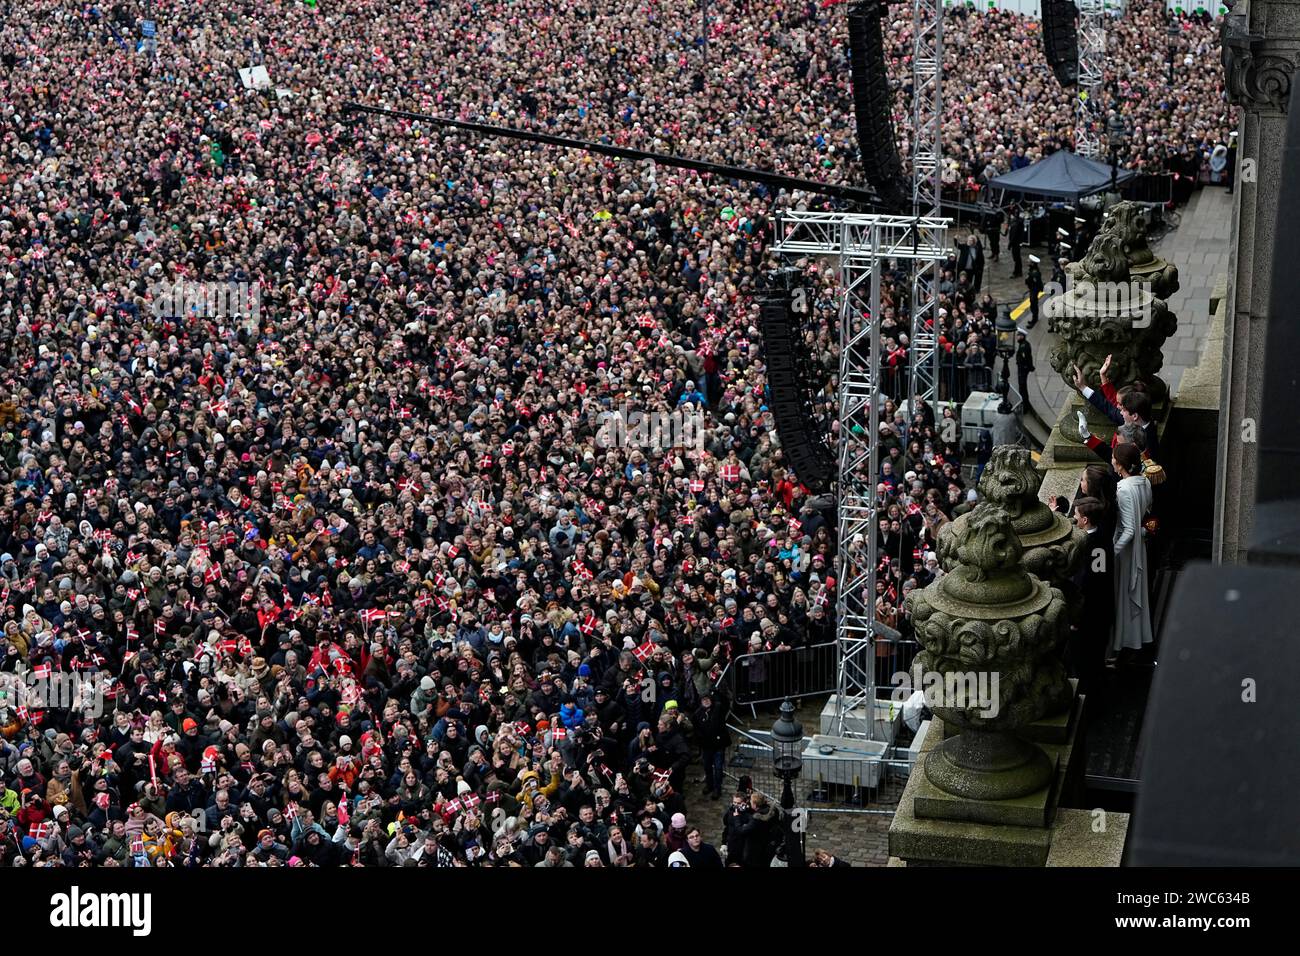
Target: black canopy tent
[1063,175]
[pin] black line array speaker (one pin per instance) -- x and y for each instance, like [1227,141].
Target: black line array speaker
[873,103]
[1061,40]
[801,439]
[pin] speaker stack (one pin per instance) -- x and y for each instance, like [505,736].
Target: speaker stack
[873,104]
[1061,40]
[802,440]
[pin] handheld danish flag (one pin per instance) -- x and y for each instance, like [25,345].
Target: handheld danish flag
[644,652]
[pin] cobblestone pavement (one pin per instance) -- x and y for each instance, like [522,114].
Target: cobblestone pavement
[860,838]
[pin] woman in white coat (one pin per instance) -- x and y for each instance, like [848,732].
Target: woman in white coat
[1133,500]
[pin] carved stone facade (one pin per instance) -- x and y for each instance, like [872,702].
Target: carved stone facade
[1256,78]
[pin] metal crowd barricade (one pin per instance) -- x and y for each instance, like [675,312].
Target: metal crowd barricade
[764,677]
[893,656]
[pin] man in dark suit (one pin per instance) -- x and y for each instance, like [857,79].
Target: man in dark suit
[1024,365]
[1016,239]
[1034,283]
[1090,638]
[991,224]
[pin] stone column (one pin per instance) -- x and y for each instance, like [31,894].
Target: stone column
[1261,47]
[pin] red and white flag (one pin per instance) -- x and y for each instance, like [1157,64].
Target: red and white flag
[645,651]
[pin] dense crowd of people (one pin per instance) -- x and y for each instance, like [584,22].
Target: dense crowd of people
[348,569]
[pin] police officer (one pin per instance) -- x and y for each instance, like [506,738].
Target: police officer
[1034,283]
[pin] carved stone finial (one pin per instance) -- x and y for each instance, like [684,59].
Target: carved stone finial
[1115,307]
[1128,221]
[1053,546]
[987,616]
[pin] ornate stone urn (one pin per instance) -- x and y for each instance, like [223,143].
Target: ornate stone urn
[988,616]
[1115,306]
[1054,549]
[1108,312]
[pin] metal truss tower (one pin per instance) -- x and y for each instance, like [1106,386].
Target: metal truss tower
[927,200]
[1092,68]
[858,244]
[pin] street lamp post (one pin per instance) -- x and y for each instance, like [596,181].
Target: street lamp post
[787,761]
